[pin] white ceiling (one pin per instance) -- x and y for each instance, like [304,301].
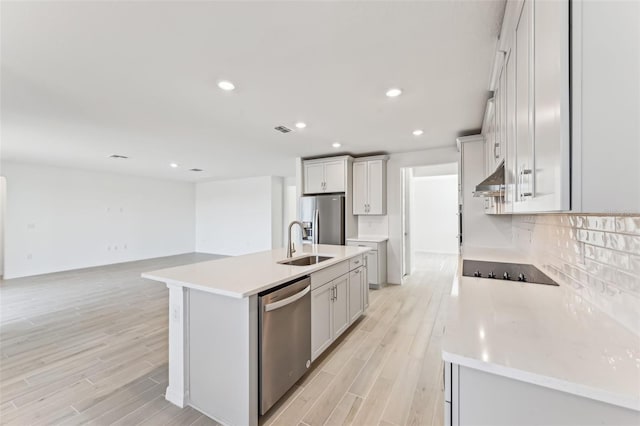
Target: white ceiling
[84,80]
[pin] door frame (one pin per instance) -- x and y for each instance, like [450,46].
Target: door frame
[406,174]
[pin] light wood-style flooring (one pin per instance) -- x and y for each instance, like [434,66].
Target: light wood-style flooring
[90,347]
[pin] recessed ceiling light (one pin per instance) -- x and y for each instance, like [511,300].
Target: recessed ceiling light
[301,125]
[173,165]
[417,132]
[226,85]
[394,92]
[336,145]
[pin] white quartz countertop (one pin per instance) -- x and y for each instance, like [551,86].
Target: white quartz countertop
[540,334]
[369,239]
[243,276]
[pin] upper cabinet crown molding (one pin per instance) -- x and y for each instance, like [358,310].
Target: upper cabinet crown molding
[371,158]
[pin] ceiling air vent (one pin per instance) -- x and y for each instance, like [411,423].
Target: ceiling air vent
[282,129]
[118,156]
[196,170]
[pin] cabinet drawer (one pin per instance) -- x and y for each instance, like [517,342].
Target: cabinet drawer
[355,262]
[363,244]
[327,274]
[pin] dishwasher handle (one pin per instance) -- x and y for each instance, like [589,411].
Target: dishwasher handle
[289,300]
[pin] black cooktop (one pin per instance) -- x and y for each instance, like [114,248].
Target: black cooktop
[505,271]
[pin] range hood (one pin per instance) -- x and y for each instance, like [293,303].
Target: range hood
[493,186]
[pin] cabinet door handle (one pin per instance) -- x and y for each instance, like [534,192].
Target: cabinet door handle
[357,271]
[356,262]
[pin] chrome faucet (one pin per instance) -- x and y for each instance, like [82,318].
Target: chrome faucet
[291,248]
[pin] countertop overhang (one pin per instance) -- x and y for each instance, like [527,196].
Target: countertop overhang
[244,276]
[541,334]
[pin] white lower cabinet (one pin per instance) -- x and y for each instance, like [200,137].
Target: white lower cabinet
[340,305]
[321,319]
[336,303]
[515,402]
[356,295]
[376,261]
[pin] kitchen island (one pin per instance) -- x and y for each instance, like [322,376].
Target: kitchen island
[214,322]
[546,355]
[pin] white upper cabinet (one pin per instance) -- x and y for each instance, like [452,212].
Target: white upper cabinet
[530,125]
[567,150]
[510,173]
[360,188]
[524,112]
[325,175]
[313,178]
[551,177]
[370,186]
[334,176]
[605,106]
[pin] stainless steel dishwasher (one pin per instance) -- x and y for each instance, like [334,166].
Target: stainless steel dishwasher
[284,339]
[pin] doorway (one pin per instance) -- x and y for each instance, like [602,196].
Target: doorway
[429,216]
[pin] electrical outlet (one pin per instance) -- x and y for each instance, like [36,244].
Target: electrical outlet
[124,247]
[31,226]
[108,248]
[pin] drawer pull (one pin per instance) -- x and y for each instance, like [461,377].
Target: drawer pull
[356,262]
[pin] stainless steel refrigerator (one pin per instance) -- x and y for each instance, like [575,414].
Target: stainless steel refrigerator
[323,219]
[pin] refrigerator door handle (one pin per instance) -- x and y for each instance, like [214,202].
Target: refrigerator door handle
[316,226]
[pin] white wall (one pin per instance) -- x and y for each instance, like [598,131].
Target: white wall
[290,213]
[277,211]
[238,216]
[394,202]
[60,218]
[434,223]
[373,226]
[3,205]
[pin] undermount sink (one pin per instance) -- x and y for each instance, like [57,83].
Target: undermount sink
[305,260]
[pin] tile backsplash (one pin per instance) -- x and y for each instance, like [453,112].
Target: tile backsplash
[597,255]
